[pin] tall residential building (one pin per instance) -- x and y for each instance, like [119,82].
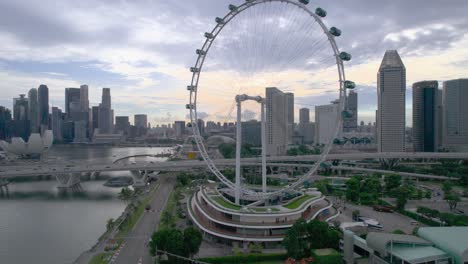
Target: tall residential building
[33,110]
[43,103]
[351,124]
[326,117]
[5,123]
[122,124]
[57,123]
[306,128]
[290,116]
[251,133]
[106,98]
[105,121]
[95,117]
[304,115]
[71,95]
[84,98]
[141,121]
[201,126]
[179,127]
[21,123]
[79,135]
[426,107]
[455,116]
[277,121]
[21,108]
[391,87]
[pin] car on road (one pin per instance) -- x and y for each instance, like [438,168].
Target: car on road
[148,207]
[382,208]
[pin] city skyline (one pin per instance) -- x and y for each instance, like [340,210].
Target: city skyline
[159,65]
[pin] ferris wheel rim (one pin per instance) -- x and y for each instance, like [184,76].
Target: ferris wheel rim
[196,72]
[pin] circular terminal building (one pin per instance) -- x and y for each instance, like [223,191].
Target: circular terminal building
[211,209]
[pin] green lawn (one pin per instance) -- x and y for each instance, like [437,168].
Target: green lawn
[222,202]
[100,258]
[298,201]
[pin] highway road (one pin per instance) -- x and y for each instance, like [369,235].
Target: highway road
[135,248]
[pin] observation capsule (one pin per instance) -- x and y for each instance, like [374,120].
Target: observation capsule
[345,56]
[219,20]
[189,106]
[349,85]
[346,114]
[232,8]
[208,35]
[335,31]
[194,69]
[201,52]
[191,88]
[189,124]
[320,12]
[305,2]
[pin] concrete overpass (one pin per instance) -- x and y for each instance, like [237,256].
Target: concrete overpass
[74,167]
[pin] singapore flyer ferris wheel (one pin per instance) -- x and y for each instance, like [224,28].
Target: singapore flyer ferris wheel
[264,38]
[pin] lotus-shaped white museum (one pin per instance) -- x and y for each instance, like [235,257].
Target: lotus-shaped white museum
[35,146]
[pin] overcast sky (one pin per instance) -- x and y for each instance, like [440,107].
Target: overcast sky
[142,49]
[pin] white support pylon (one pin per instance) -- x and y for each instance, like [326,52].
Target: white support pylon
[263,137]
[238,150]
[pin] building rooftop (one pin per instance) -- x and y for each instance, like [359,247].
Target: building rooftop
[380,241]
[391,59]
[453,239]
[417,254]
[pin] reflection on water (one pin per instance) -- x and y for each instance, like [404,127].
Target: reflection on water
[40,224]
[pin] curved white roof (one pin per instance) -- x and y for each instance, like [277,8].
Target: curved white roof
[36,144]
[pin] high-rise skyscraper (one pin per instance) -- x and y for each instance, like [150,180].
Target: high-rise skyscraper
[179,127]
[106,98]
[43,103]
[33,110]
[5,123]
[306,128]
[290,116]
[391,88]
[84,98]
[95,117]
[71,95]
[122,124]
[21,123]
[426,107]
[326,117]
[350,124]
[455,114]
[105,121]
[57,123]
[277,121]
[304,115]
[141,121]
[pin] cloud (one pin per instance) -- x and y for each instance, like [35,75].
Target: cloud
[142,50]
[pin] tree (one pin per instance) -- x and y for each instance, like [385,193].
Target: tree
[401,193]
[356,214]
[353,189]
[294,241]
[110,224]
[169,240]
[302,237]
[447,187]
[125,195]
[167,219]
[392,182]
[192,241]
[452,199]
[183,178]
